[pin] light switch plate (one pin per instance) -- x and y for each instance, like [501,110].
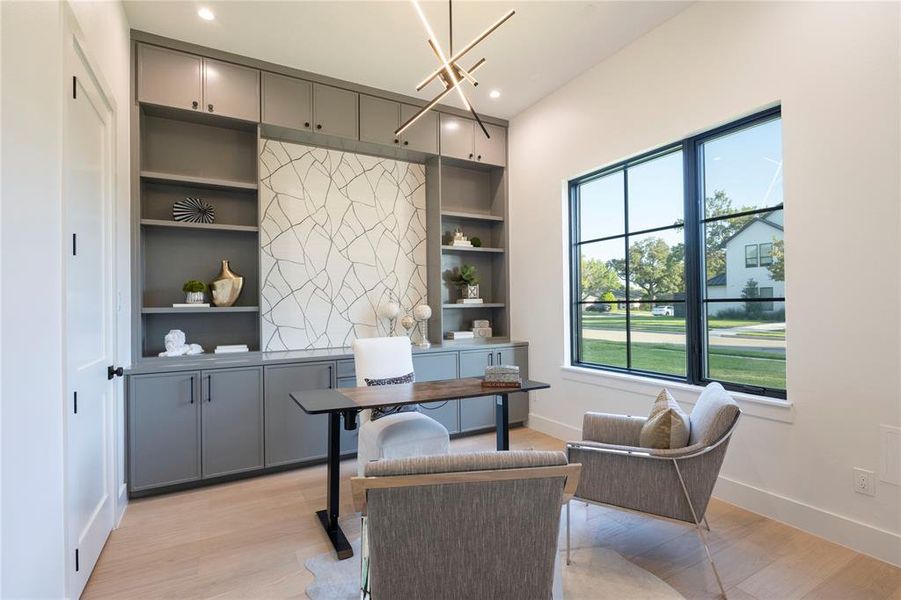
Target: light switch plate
[890,454]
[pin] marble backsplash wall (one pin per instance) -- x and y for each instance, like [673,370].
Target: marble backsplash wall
[340,233]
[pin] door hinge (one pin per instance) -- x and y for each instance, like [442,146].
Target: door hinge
[76,560]
[75,402]
[74,244]
[74,87]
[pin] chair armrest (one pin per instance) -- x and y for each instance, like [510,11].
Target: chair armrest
[636,451]
[619,430]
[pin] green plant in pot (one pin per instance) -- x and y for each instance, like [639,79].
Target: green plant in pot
[467,279]
[194,290]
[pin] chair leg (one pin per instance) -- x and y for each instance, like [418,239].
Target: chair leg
[700,529]
[706,524]
[568,543]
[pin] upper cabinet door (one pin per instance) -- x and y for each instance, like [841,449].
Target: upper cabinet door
[422,136]
[169,78]
[456,137]
[379,119]
[287,102]
[231,90]
[491,151]
[335,111]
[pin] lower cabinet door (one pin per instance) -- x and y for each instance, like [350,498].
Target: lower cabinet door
[232,425]
[163,430]
[291,434]
[477,413]
[435,367]
[518,409]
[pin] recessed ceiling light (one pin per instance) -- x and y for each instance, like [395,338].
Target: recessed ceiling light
[206,14]
[494,94]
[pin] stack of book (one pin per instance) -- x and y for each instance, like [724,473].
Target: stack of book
[502,376]
[459,335]
[464,242]
[229,348]
[191,305]
[470,300]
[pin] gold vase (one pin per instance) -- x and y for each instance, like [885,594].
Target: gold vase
[226,287]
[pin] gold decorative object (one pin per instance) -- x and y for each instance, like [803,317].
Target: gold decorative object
[226,287]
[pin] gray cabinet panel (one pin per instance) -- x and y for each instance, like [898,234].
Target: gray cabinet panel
[422,136]
[287,102]
[169,78]
[379,119]
[476,413]
[435,367]
[519,403]
[232,424]
[231,90]
[456,137]
[335,111]
[291,434]
[163,429]
[492,151]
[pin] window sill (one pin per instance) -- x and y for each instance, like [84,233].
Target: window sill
[762,407]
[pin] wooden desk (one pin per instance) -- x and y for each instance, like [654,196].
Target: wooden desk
[350,401]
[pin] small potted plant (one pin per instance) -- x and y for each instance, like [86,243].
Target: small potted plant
[194,290]
[467,279]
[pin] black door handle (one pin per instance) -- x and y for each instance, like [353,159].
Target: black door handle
[112,371]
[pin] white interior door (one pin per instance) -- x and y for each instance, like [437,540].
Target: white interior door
[88,189]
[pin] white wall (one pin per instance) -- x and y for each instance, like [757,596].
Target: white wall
[834,67]
[34,556]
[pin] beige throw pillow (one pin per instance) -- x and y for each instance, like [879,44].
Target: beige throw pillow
[667,426]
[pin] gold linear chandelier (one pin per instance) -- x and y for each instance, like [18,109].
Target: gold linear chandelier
[449,71]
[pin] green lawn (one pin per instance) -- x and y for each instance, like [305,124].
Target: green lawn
[644,321]
[765,369]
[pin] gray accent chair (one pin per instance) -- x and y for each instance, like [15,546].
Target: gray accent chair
[462,526]
[675,484]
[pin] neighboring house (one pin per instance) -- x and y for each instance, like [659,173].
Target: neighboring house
[748,253]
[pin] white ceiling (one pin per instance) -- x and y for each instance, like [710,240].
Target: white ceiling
[383,44]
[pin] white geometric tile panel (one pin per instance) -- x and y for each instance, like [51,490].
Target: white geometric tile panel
[340,234]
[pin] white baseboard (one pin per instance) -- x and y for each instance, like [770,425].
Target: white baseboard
[863,538]
[121,504]
[553,428]
[860,537]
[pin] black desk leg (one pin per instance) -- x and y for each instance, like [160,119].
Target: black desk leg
[502,421]
[329,517]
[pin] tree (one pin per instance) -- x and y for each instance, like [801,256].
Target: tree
[654,267]
[718,232]
[777,267]
[754,310]
[598,278]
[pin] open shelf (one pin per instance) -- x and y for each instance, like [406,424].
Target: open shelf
[471,216]
[166,310]
[202,182]
[470,306]
[446,248]
[206,226]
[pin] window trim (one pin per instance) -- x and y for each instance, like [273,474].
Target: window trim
[760,254]
[694,222]
[755,259]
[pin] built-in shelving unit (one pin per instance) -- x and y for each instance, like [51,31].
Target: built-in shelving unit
[470,216]
[446,248]
[215,159]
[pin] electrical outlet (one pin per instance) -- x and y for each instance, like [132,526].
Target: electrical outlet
[864,482]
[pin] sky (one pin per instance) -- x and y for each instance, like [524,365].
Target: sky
[747,165]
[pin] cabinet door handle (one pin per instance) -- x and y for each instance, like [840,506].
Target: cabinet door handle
[306,124]
[490,358]
[209,388]
[318,125]
[396,141]
[210,106]
[499,361]
[479,157]
[470,156]
[195,104]
[406,142]
[192,389]
[330,378]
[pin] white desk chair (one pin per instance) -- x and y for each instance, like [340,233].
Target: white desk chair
[400,435]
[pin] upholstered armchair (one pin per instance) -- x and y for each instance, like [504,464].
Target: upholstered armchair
[481,525]
[399,435]
[675,484]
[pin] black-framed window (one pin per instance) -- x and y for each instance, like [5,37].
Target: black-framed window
[659,248]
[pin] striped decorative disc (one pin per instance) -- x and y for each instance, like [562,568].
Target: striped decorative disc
[193,210]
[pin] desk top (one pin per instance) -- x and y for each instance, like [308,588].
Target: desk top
[316,402]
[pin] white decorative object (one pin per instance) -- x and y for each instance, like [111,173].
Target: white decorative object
[176,346]
[460,239]
[389,311]
[482,332]
[194,298]
[231,348]
[339,234]
[459,335]
[476,323]
[422,313]
[408,323]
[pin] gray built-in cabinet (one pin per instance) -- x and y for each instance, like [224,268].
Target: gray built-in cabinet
[464,139]
[380,118]
[305,106]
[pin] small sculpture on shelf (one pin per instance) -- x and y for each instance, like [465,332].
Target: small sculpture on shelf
[408,323]
[466,278]
[176,346]
[422,313]
[389,311]
[460,240]
[227,286]
[193,210]
[194,291]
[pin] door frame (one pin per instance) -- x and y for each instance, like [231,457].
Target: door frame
[75,52]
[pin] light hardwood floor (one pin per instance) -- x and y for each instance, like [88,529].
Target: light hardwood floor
[250,538]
